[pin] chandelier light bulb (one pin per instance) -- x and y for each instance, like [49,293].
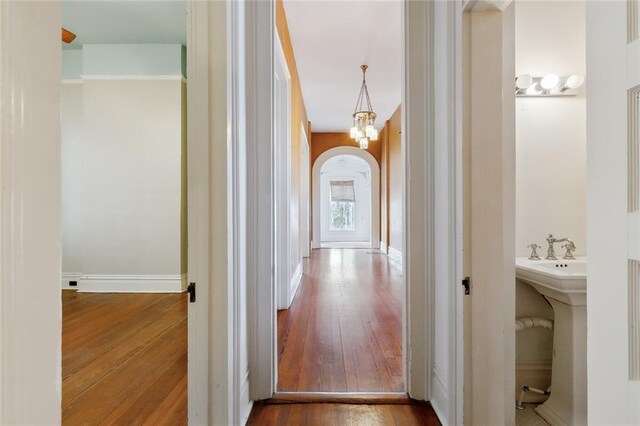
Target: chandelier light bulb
[364,143]
[369,130]
[523,81]
[353,132]
[573,82]
[550,81]
[374,135]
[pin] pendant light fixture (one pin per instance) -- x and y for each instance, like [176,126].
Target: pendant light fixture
[364,119]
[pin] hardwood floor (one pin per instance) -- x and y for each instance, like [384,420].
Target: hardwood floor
[124,358]
[343,414]
[343,331]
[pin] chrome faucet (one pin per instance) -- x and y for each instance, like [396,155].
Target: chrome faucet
[551,253]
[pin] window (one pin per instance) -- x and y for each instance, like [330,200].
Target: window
[342,206]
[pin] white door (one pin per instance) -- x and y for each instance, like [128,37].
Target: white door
[305,182]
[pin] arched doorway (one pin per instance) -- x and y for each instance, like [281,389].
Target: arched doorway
[353,170]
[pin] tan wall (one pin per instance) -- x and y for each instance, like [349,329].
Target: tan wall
[395,172]
[298,119]
[322,142]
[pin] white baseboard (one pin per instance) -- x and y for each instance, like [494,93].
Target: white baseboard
[71,277]
[125,283]
[295,283]
[534,374]
[440,398]
[395,257]
[383,247]
[245,403]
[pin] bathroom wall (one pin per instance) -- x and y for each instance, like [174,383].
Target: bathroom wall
[550,161]
[550,132]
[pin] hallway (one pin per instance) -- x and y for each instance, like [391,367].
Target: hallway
[343,332]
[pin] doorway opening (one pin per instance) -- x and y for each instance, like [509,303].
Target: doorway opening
[124,212]
[341,304]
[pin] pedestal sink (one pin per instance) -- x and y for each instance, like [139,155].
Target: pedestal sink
[564,284]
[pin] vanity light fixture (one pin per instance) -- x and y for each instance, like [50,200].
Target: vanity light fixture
[548,85]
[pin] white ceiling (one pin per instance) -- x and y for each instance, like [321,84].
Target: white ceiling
[331,39]
[113,22]
[345,163]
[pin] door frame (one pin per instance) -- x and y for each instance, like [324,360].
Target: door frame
[305,193]
[30,355]
[316,173]
[282,161]
[419,202]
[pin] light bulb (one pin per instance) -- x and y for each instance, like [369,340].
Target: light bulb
[364,143]
[549,81]
[574,82]
[374,135]
[359,134]
[523,81]
[369,130]
[353,132]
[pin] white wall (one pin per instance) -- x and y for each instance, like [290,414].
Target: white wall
[72,182]
[123,128]
[550,132]
[131,177]
[346,167]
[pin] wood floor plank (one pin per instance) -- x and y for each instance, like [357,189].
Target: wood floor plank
[343,331]
[411,414]
[124,359]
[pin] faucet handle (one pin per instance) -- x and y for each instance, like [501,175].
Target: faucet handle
[534,254]
[570,246]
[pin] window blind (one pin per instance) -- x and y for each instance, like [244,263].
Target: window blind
[342,190]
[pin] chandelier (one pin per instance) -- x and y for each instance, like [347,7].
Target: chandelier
[364,119]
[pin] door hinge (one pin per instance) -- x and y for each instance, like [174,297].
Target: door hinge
[191,289]
[466,283]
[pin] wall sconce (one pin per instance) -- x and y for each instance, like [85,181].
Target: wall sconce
[549,85]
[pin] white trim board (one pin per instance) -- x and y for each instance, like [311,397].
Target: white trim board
[124,283]
[132,77]
[295,283]
[395,256]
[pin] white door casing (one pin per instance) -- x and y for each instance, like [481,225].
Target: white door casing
[374,233]
[218,353]
[285,285]
[613,219]
[305,199]
[30,213]
[418,98]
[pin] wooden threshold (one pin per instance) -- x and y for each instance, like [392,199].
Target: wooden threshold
[387,398]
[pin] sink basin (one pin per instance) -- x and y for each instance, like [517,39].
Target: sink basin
[563,280]
[564,284]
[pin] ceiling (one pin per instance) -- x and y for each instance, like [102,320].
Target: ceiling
[331,39]
[114,22]
[345,163]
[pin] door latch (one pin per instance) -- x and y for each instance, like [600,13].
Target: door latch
[466,283]
[191,289]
